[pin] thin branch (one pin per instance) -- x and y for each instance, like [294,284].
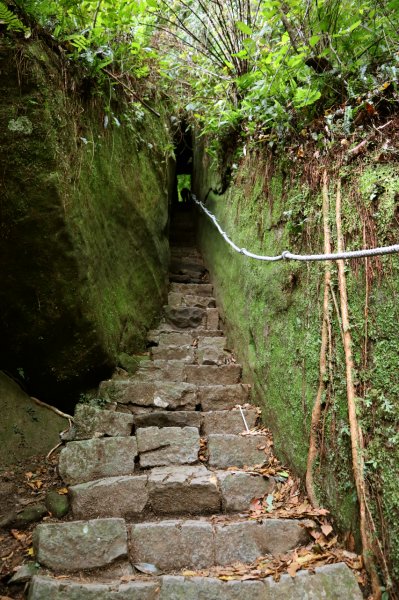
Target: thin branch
[52,408]
[130,91]
[366,521]
[317,408]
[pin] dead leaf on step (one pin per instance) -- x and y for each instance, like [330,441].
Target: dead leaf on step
[18,535]
[62,491]
[293,568]
[326,529]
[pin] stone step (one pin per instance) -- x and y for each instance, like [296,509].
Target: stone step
[150,394]
[189,317]
[92,422]
[186,254]
[185,353]
[228,450]
[179,371]
[185,317]
[153,395]
[195,289]
[176,418]
[212,374]
[167,336]
[185,265]
[210,354]
[176,300]
[188,277]
[330,582]
[221,421]
[172,545]
[167,446]
[73,546]
[86,460]
[222,397]
[227,421]
[177,490]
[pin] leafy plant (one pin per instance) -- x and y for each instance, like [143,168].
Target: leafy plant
[13,23]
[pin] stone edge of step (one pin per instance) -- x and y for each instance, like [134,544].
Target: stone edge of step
[336,577]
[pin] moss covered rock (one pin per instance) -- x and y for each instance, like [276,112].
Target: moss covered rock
[84,219]
[26,429]
[273,316]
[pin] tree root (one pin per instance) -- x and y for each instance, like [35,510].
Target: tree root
[367,525]
[55,410]
[325,329]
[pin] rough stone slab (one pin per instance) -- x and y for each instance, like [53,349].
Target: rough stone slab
[168,446]
[186,317]
[212,375]
[208,588]
[175,299]
[77,545]
[199,301]
[183,353]
[176,418]
[220,343]
[46,588]
[170,395]
[245,541]
[195,289]
[331,582]
[222,397]
[161,370]
[239,488]
[93,422]
[125,496]
[228,421]
[183,490]
[97,458]
[227,450]
[212,318]
[210,355]
[173,545]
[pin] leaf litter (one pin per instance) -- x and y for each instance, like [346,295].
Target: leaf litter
[287,501]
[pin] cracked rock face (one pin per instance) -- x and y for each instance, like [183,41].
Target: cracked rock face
[125,496]
[167,446]
[80,544]
[171,395]
[180,490]
[97,458]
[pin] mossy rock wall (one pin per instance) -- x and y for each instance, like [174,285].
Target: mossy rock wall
[273,315]
[85,184]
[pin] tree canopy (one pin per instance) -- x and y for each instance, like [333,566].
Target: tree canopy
[255,64]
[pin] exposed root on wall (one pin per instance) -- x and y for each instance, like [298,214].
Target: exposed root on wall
[325,343]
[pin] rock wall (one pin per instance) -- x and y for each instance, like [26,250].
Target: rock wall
[84,186]
[273,312]
[26,429]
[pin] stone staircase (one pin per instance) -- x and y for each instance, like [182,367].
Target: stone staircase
[150,481]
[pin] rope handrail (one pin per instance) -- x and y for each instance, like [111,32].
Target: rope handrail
[287,255]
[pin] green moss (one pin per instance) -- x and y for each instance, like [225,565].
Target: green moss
[85,222]
[273,318]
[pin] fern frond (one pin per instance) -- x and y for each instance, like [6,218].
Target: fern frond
[10,19]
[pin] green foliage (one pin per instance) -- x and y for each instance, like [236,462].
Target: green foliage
[8,18]
[266,67]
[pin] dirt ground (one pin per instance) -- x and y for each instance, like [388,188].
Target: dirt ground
[21,486]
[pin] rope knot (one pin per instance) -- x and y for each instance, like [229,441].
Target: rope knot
[243,250]
[285,254]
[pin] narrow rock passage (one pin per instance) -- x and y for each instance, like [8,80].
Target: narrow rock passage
[156,481]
